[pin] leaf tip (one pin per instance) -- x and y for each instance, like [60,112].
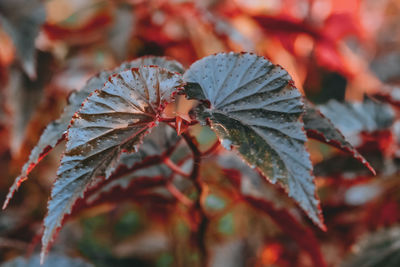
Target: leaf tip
[5,204]
[42,257]
[30,69]
[316,215]
[321,223]
[9,196]
[372,170]
[369,166]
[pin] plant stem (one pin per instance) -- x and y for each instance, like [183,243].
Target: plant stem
[175,168]
[198,211]
[211,149]
[179,195]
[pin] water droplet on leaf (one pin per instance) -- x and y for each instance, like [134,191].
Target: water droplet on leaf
[227,144]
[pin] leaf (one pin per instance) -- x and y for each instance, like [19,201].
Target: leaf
[225,30]
[352,118]
[251,183]
[163,62]
[22,19]
[303,236]
[92,26]
[326,37]
[321,128]
[121,31]
[55,131]
[389,94]
[378,249]
[141,176]
[265,197]
[288,25]
[22,101]
[111,120]
[366,125]
[25,96]
[154,144]
[346,167]
[385,66]
[254,108]
[379,149]
[53,259]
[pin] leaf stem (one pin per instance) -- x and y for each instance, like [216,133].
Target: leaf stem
[179,195]
[175,168]
[173,120]
[211,149]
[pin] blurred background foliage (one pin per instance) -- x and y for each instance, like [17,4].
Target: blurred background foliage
[334,49]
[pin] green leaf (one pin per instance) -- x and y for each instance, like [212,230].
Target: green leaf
[254,108]
[55,131]
[111,120]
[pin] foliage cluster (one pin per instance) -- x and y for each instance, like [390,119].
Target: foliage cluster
[180,152]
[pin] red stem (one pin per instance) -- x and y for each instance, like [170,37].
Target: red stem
[179,195]
[211,149]
[175,168]
[173,120]
[198,211]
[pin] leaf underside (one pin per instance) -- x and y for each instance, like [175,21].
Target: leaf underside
[321,128]
[22,19]
[254,108]
[111,120]
[55,131]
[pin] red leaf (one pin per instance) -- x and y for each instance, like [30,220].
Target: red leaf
[302,235]
[326,38]
[97,24]
[389,94]
[339,25]
[287,25]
